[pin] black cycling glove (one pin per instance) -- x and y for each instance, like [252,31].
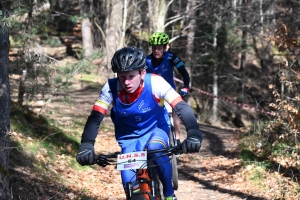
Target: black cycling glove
[193,141]
[86,154]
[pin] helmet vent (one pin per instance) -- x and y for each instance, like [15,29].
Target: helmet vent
[128,59]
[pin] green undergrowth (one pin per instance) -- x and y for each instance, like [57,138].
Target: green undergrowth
[38,138]
[271,165]
[39,143]
[92,80]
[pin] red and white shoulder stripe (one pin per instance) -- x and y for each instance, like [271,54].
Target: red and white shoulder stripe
[104,100]
[161,89]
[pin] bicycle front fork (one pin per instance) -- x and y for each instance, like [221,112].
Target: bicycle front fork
[143,185]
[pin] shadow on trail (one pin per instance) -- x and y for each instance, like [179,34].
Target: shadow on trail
[210,186]
[217,141]
[225,143]
[42,131]
[85,95]
[213,143]
[27,186]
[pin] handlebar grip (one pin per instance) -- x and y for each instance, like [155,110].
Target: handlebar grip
[179,148]
[103,160]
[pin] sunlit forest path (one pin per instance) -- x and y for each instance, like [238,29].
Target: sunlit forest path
[216,172]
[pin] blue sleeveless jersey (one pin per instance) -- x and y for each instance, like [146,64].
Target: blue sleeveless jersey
[136,119]
[164,69]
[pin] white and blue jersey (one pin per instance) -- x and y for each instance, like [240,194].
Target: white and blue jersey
[139,121]
[136,119]
[136,114]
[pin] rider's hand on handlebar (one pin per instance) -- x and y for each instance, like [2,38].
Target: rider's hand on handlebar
[85,154]
[185,91]
[192,143]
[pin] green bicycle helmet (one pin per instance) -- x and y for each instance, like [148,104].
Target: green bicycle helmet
[159,38]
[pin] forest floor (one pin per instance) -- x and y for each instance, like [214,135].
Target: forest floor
[45,140]
[216,172]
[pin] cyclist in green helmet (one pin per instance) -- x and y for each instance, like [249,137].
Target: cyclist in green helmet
[163,62]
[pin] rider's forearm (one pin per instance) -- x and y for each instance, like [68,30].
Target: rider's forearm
[186,114]
[91,127]
[185,76]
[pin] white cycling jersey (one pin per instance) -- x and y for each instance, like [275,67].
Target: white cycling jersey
[161,90]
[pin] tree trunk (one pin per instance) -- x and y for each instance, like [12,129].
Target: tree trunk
[191,34]
[158,15]
[215,78]
[123,30]
[86,27]
[261,13]
[234,6]
[4,105]
[240,98]
[22,88]
[113,32]
[150,15]
[243,58]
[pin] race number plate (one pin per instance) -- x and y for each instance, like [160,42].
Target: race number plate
[134,160]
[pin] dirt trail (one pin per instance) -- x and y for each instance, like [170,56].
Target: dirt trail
[200,174]
[214,173]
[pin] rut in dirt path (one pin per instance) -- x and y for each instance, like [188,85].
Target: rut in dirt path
[206,175]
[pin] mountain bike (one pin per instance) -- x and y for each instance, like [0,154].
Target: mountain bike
[147,185]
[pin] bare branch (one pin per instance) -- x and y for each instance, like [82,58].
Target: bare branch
[100,29]
[174,20]
[170,2]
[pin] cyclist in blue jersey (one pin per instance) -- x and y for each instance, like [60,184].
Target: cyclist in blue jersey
[163,62]
[138,115]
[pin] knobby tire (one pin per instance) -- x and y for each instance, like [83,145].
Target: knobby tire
[158,184]
[140,196]
[174,160]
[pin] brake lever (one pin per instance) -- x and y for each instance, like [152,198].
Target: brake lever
[102,161]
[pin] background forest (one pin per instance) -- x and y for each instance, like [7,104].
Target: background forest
[242,56]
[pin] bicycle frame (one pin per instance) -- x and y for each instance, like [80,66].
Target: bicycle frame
[147,185]
[147,179]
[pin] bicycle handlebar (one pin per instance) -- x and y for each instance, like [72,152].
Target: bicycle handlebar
[104,160]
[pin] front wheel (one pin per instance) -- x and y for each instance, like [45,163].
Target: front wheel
[137,197]
[174,172]
[158,187]
[140,196]
[174,159]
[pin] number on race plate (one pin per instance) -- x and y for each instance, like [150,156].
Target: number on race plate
[134,160]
